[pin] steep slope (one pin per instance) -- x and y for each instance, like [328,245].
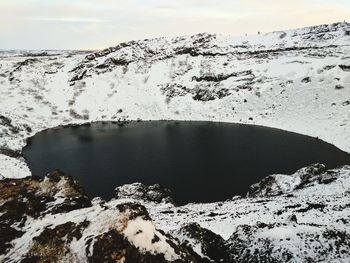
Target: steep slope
[297,80]
[52,220]
[306,223]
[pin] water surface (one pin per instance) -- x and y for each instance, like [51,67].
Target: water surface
[198,161]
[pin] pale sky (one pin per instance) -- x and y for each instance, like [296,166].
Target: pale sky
[95,24]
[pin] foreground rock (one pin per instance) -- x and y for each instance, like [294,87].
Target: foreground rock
[303,217]
[52,220]
[277,184]
[152,193]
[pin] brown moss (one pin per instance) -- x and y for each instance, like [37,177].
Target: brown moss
[114,247]
[13,188]
[33,196]
[52,244]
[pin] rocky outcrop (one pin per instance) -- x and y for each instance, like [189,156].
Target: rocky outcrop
[7,124]
[291,241]
[306,224]
[21,199]
[209,246]
[52,244]
[280,183]
[139,191]
[34,197]
[283,242]
[300,218]
[256,79]
[51,219]
[204,45]
[345,67]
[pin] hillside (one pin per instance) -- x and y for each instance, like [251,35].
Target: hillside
[295,80]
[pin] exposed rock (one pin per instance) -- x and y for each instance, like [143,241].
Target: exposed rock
[222,77]
[306,80]
[36,197]
[8,234]
[329,67]
[277,243]
[311,206]
[346,103]
[283,35]
[39,54]
[24,63]
[174,90]
[62,230]
[198,45]
[6,122]
[308,224]
[79,76]
[208,95]
[201,94]
[280,184]
[212,247]
[113,61]
[338,87]
[139,191]
[306,216]
[10,152]
[54,243]
[75,115]
[63,226]
[344,67]
[114,247]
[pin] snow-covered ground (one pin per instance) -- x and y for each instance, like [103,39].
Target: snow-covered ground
[296,80]
[52,220]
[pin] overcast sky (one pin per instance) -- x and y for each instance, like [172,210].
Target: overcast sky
[94,24]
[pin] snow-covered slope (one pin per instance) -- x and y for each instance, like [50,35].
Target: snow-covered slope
[308,224]
[52,220]
[297,80]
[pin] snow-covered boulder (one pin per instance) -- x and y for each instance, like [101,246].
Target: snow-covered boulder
[276,184]
[51,219]
[139,191]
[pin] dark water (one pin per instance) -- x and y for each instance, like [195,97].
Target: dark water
[198,161]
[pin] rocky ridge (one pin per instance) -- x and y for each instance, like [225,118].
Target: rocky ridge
[296,80]
[51,219]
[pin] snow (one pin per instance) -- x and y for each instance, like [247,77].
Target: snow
[140,233]
[282,183]
[240,211]
[301,237]
[279,233]
[13,168]
[41,95]
[270,219]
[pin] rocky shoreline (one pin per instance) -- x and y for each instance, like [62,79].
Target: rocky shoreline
[302,217]
[296,80]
